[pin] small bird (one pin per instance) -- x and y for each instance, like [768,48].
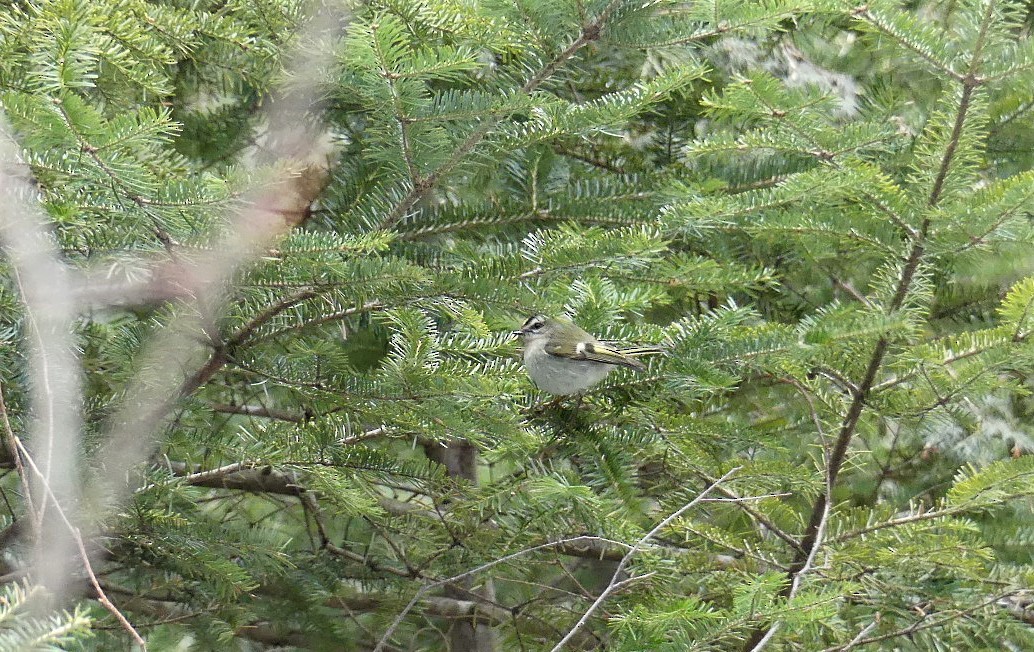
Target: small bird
[563,359]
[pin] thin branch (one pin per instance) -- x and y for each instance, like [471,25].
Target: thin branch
[77,537]
[248,476]
[928,622]
[423,590]
[100,595]
[842,383]
[862,634]
[865,14]
[397,110]
[614,583]
[742,499]
[924,516]
[758,517]
[11,443]
[272,311]
[323,319]
[211,475]
[798,576]
[259,411]
[311,506]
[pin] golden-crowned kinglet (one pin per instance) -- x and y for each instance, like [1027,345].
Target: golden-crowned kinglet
[561,358]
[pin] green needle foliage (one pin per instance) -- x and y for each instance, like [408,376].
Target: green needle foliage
[21,629]
[820,209]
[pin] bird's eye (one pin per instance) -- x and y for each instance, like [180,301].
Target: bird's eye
[537,326]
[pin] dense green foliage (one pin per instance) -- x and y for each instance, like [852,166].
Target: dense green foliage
[820,209]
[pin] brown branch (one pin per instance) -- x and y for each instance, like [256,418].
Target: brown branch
[259,411]
[11,447]
[264,632]
[99,592]
[258,320]
[11,533]
[241,476]
[589,159]
[334,316]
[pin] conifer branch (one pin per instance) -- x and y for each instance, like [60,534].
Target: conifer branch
[101,597]
[865,14]
[928,621]
[812,539]
[589,33]
[726,28]
[830,158]
[953,142]
[398,112]
[117,183]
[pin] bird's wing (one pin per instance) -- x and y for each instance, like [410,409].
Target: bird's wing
[595,352]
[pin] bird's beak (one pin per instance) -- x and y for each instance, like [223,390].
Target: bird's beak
[517,333]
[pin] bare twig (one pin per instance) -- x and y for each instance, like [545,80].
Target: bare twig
[258,411]
[77,537]
[242,476]
[736,499]
[211,475]
[809,562]
[615,584]
[11,443]
[862,634]
[101,596]
[743,499]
